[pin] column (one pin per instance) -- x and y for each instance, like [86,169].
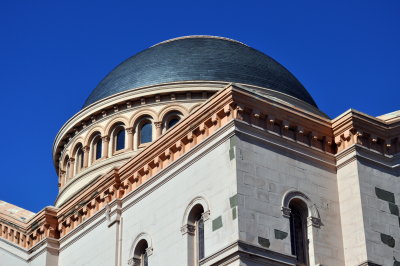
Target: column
[62,178]
[86,150]
[158,129]
[106,140]
[71,167]
[130,131]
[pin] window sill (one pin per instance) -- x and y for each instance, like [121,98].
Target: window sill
[119,152]
[144,145]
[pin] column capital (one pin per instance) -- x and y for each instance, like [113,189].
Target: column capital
[105,138]
[205,215]
[86,148]
[130,130]
[314,221]
[286,212]
[149,251]
[188,229]
[158,124]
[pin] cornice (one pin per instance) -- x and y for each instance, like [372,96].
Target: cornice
[227,105]
[288,145]
[104,108]
[354,127]
[27,235]
[231,105]
[176,167]
[360,153]
[86,173]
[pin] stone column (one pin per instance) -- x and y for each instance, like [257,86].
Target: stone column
[158,129]
[71,167]
[86,150]
[62,178]
[130,131]
[106,140]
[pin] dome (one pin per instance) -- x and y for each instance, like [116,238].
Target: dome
[199,58]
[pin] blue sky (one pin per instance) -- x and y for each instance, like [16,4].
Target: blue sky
[53,53]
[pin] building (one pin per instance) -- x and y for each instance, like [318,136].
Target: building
[201,150]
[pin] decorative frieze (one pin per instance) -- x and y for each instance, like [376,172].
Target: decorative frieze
[362,137]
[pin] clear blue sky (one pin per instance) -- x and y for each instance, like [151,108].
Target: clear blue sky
[52,54]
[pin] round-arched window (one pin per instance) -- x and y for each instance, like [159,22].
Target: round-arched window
[79,159]
[171,119]
[146,132]
[120,139]
[173,122]
[140,255]
[298,230]
[98,150]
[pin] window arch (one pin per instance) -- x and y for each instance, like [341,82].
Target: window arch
[196,224]
[118,137]
[79,155]
[298,231]
[120,140]
[96,147]
[195,216]
[140,255]
[145,130]
[140,251]
[171,119]
[303,216]
[67,169]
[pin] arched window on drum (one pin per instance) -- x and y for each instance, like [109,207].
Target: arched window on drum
[118,137]
[171,119]
[144,130]
[79,159]
[96,147]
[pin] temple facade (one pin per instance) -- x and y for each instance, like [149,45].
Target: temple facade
[201,150]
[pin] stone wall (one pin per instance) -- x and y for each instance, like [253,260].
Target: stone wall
[159,213]
[266,171]
[380,196]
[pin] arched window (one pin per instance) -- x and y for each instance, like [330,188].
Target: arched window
[195,230]
[146,132]
[120,140]
[66,168]
[298,230]
[79,159]
[171,119]
[200,238]
[140,254]
[96,147]
[173,122]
